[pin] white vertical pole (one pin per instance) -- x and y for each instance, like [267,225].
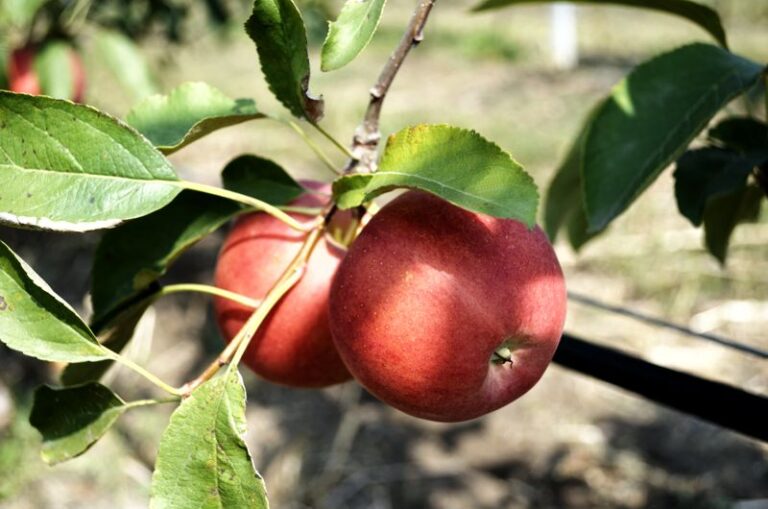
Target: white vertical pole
[564,38]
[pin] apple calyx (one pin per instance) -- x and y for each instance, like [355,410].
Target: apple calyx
[503,354]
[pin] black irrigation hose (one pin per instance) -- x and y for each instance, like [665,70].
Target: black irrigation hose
[720,340]
[715,402]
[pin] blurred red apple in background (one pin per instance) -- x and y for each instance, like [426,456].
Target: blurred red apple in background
[293,346]
[429,293]
[21,71]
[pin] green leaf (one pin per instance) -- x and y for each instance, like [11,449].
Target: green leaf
[53,66]
[71,420]
[350,33]
[188,113]
[649,120]
[21,12]
[456,164]
[134,255]
[741,133]
[564,206]
[127,64]
[115,332]
[70,167]
[203,461]
[260,178]
[37,322]
[705,17]
[281,41]
[724,212]
[703,174]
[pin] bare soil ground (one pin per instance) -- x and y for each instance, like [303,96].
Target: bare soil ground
[572,441]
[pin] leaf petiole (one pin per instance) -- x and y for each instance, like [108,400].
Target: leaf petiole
[210,290]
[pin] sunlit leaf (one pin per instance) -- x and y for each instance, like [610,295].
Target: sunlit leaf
[72,168]
[456,164]
[37,322]
[126,62]
[281,41]
[203,460]
[188,113]
[350,33]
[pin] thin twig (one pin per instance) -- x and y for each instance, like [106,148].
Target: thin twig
[367,135]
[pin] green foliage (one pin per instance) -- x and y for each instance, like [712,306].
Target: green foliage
[351,32]
[72,168]
[133,256]
[37,322]
[705,17]
[649,120]
[126,62]
[53,66]
[456,164]
[260,178]
[281,41]
[203,460]
[563,205]
[188,113]
[724,212]
[115,331]
[71,420]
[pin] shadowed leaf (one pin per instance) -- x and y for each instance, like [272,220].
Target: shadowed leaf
[704,16]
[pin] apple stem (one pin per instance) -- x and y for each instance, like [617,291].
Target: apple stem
[250,201]
[234,351]
[314,146]
[210,290]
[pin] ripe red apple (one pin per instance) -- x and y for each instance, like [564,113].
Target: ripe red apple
[293,346]
[22,76]
[21,71]
[429,292]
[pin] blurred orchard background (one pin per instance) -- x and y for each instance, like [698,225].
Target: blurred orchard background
[572,442]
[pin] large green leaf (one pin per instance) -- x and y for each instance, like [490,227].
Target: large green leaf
[188,113]
[456,164]
[649,120]
[71,420]
[203,461]
[350,33]
[115,330]
[72,168]
[54,69]
[563,205]
[127,64]
[724,212]
[705,17]
[37,322]
[281,41]
[134,255]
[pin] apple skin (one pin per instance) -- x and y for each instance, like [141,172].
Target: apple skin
[78,78]
[293,346]
[429,291]
[21,71]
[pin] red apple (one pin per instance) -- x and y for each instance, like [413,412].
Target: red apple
[293,346]
[78,78]
[429,292]
[21,71]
